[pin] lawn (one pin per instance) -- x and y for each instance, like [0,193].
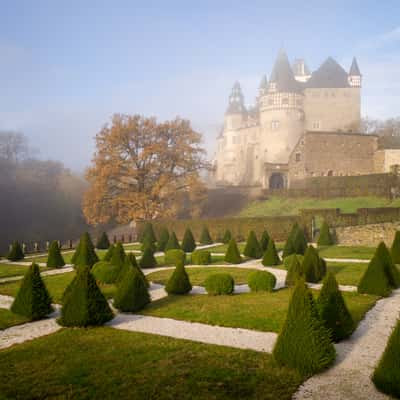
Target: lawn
[347,273]
[9,270]
[356,252]
[276,206]
[8,318]
[222,248]
[67,255]
[259,311]
[106,363]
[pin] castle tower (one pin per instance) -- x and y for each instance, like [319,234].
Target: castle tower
[354,74]
[236,110]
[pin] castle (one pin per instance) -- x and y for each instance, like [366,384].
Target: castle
[303,125]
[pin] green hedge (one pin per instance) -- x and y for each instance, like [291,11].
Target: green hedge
[201,257]
[172,257]
[261,281]
[294,270]
[105,272]
[252,248]
[179,282]
[232,254]
[271,256]
[188,242]
[54,258]
[148,260]
[85,253]
[219,284]
[172,242]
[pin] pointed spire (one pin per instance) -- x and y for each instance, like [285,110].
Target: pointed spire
[354,70]
[264,82]
[236,100]
[282,76]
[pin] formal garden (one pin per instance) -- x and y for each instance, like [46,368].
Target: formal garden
[236,319]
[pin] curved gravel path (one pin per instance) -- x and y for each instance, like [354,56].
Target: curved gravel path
[56,271]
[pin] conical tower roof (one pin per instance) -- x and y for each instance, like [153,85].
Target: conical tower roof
[329,75]
[354,70]
[282,75]
[264,82]
[236,100]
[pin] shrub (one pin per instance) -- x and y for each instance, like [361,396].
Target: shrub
[130,262]
[261,281]
[312,266]
[386,376]
[264,241]
[148,233]
[201,257]
[304,342]
[188,242]
[15,253]
[325,237]
[132,294]
[179,282]
[103,242]
[289,245]
[205,237]
[395,249]
[32,300]
[232,254]
[288,260]
[252,248]
[147,260]
[105,272]
[227,236]
[333,310]
[219,283]
[172,257]
[55,259]
[172,242]
[300,242]
[162,239]
[118,255]
[271,255]
[148,243]
[85,253]
[295,270]
[83,302]
[109,253]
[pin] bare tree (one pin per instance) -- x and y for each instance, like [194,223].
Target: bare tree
[13,146]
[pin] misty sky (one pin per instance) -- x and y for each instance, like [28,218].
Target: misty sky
[67,66]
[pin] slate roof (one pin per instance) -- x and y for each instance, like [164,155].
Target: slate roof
[329,75]
[354,70]
[282,75]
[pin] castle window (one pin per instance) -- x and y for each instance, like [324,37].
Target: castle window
[316,125]
[285,101]
[274,125]
[297,157]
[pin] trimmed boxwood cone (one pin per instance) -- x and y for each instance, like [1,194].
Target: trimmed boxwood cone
[232,254]
[289,245]
[201,257]
[304,342]
[333,310]
[105,272]
[172,242]
[148,243]
[85,253]
[300,242]
[148,260]
[32,300]
[252,248]
[148,233]
[312,266]
[132,294]
[163,239]
[15,253]
[103,242]
[325,237]
[395,249]
[130,262]
[172,257]
[227,236]
[83,303]
[188,242]
[118,255]
[264,241]
[271,255]
[295,271]
[205,237]
[179,282]
[109,253]
[55,259]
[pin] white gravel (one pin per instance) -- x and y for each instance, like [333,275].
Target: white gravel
[56,271]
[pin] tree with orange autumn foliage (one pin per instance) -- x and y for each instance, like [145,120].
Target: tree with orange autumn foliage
[143,169]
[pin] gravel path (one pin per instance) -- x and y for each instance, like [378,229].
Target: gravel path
[350,377]
[56,271]
[233,337]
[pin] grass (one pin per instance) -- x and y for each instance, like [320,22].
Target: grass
[67,255]
[224,247]
[276,206]
[259,311]
[8,319]
[347,273]
[9,270]
[198,275]
[357,252]
[106,363]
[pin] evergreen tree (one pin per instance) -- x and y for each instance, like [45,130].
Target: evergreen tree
[205,237]
[325,237]
[392,272]
[333,310]
[179,282]
[227,236]
[85,253]
[118,255]
[148,243]
[32,300]
[132,294]
[289,245]
[312,265]
[252,248]
[304,342]
[109,253]
[15,253]
[188,242]
[147,260]
[295,271]
[264,241]
[103,242]
[395,249]
[386,376]
[83,303]
[172,242]
[105,272]
[232,254]
[54,258]
[130,262]
[300,242]
[148,233]
[163,239]
[271,256]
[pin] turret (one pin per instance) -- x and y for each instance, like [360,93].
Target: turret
[236,110]
[354,74]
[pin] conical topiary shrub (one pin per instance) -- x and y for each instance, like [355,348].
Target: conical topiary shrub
[312,266]
[132,294]
[162,239]
[148,233]
[252,248]
[15,253]
[391,270]
[227,236]
[130,262]
[295,271]
[148,243]
[289,245]
[264,241]
[172,242]
[105,272]
[271,256]
[118,255]
[32,300]
[304,342]
[83,302]
[232,254]
[85,253]
[148,260]
[54,258]
[188,242]
[386,376]
[333,310]
[205,237]
[299,242]
[395,249]
[103,242]
[179,282]
[325,237]
[109,253]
